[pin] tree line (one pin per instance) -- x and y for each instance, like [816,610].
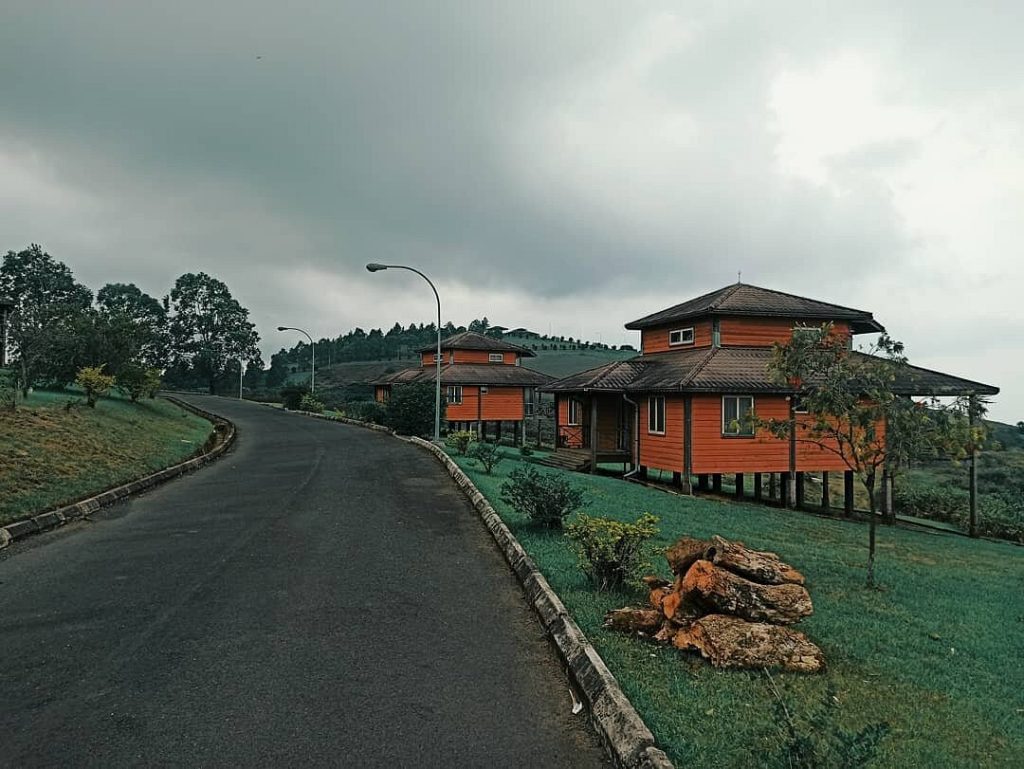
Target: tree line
[196,335]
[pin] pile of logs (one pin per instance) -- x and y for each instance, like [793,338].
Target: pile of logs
[730,604]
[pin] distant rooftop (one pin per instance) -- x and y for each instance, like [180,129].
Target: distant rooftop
[470,340]
[745,299]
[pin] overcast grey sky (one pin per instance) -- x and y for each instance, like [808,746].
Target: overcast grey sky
[562,165]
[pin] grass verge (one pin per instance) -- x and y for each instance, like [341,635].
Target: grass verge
[50,456]
[935,654]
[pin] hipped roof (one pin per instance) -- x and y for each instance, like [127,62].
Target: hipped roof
[470,340]
[470,374]
[753,301]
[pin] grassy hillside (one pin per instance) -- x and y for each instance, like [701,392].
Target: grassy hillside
[932,655]
[50,456]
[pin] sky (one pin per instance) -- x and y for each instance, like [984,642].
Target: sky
[567,166]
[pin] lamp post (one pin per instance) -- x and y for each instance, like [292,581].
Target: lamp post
[6,305]
[373,267]
[312,373]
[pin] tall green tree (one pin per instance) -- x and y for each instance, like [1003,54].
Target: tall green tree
[857,409]
[50,313]
[134,328]
[209,329]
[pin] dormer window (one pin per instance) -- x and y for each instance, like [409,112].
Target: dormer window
[681,336]
[496,357]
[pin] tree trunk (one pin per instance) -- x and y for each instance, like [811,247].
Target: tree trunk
[684,553]
[630,620]
[719,591]
[755,565]
[735,643]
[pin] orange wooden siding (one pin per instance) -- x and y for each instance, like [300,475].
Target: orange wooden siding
[663,452]
[715,453]
[763,332]
[503,404]
[571,435]
[467,411]
[654,340]
[427,358]
[381,393]
[482,356]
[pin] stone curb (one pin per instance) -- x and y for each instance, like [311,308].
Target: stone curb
[624,734]
[58,517]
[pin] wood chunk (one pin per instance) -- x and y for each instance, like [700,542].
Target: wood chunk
[722,592]
[734,643]
[756,565]
[630,620]
[682,555]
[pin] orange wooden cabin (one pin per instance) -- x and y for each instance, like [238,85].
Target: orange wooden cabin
[484,382]
[679,406]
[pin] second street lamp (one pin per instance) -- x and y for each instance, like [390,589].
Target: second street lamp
[374,267]
[312,344]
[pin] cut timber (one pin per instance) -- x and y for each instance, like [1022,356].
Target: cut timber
[684,553]
[721,591]
[755,565]
[734,643]
[631,620]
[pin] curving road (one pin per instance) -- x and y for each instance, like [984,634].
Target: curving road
[320,596]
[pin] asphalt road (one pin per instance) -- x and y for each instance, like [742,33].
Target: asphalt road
[320,596]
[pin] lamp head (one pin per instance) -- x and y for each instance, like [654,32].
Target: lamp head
[282,328]
[374,267]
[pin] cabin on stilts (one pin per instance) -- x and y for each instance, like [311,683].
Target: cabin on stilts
[486,386]
[682,406]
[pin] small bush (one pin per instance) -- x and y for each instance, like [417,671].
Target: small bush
[153,382]
[547,498]
[613,553]
[94,382]
[310,403]
[133,381]
[459,441]
[366,411]
[410,411]
[487,454]
[525,451]
[292,397]
[8,389]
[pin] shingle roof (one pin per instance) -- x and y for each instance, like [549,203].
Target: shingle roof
[470,374]
[745,299]
[732,369]
[470,340]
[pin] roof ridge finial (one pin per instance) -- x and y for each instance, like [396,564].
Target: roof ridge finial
[739,276]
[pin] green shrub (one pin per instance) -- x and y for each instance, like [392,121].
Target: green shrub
[292,397]
[546,498]
[525,451]
[153,382]
[998,516]
[133,381]
[366,411]
[8,389]
[613,553]
[487,454]
[459,441]
[410,410]
[94,382]
[310,403]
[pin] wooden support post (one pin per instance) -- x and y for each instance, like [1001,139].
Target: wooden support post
[848,493]
[593,434]
[702,482]
[716,483]
[888,513]
[826,496]
[688,444]
[642,472]
[497,435]
[758,493]
[677,480]
[739,485]
[786,489]
[800,477]
[556,436]
[773,486]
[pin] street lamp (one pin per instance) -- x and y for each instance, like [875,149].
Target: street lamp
[373,267]
[312,373]
[6,305]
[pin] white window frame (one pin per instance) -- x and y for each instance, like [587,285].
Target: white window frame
[529,401]
[495,357]
[575,405]
[739,433]
[654,404]
[454,395]
[683,341]
[798,405]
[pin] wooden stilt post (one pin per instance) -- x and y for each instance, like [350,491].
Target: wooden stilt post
[757,487]
[497,435]
[773,486]
[799,502]
[677,480]
[702,482]
[848,493]
[786,489]
[826,497]
[716,483]
[593,434]
[642,472]
[739,486]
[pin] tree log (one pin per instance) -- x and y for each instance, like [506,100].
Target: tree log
[722,592]
[630,620]
[756,565]
[735,643]
[684,553]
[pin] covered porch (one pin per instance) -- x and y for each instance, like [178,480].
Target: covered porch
[592,428]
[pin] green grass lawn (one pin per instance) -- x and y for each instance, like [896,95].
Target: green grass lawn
[936,654]
[50,457]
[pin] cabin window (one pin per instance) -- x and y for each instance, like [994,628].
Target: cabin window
[656,414]
[455,394]
[529,401]
[716,332]
[575,409]
[680,336]
[799,407]
[737,415]
[496,357]
[451,356]
[435,358]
